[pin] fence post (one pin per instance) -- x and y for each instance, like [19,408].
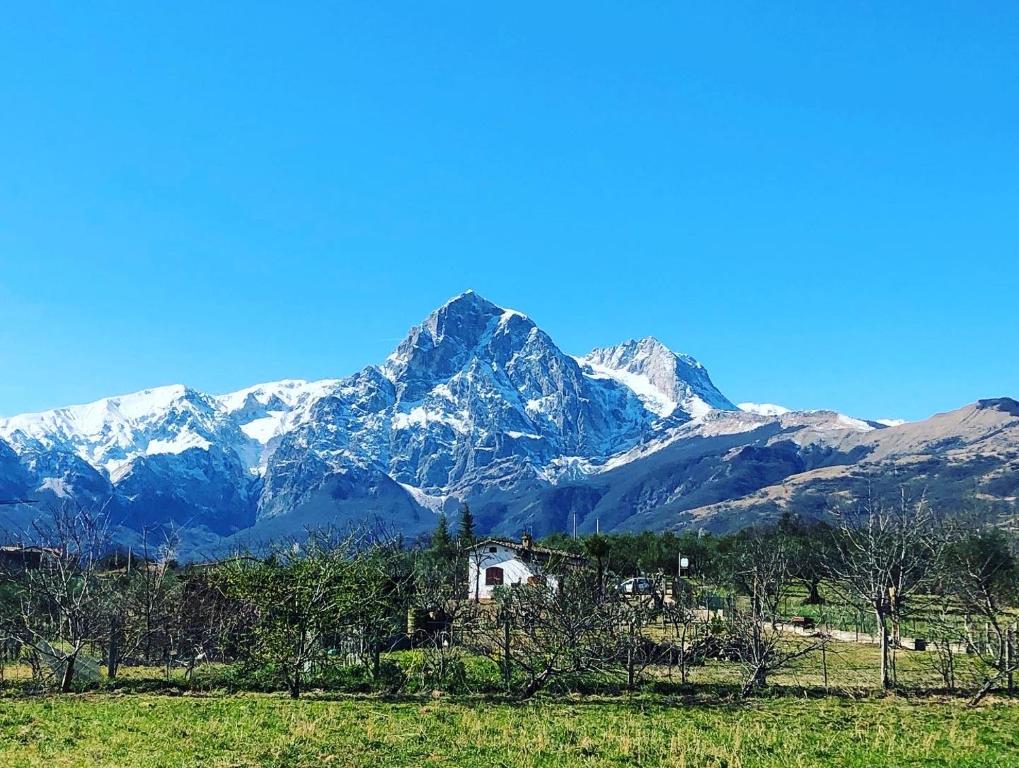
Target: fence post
[824,654]
[506,651]
[629,658]
[1009,650]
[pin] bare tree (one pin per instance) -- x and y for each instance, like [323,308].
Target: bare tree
[945,635]
[549,631]
[207,622]
[762,570]
[882,556]
[438,618]
[62,603]
[681,617]
[380,584]
[146,592]
[981,572]
[296,595]
[636,615]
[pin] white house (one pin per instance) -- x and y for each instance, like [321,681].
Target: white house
[496,563]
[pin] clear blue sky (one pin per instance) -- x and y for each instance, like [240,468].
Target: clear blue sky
[820,201]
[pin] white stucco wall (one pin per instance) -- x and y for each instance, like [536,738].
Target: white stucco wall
[515,570]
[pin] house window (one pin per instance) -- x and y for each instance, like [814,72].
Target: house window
[493,549]
[493,577]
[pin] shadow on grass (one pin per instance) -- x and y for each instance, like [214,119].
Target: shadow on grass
[658,694]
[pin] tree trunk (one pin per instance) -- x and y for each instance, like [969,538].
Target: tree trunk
[536,684]
[68,676]
[630,660]
[1009,660]
[814,594]
[882,632]
[113,652]
[758,679]
[682,658]
[985,688]
[951,666]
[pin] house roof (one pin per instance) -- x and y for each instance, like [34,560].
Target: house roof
[29,548]
[518,547]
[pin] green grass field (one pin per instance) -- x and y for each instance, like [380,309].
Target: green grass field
[703,724]
[269,730]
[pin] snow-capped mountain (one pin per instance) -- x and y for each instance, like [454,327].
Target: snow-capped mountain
[474,390]
[163,455]
[665,382]
[112,433]
[476,404]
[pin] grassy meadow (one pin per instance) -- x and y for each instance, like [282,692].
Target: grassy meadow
[146,720]
[102,729]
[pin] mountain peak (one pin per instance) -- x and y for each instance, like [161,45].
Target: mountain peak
[647,342]
[468,301]
[664,380]
[462,328]
[1003,404]
[465,317]
[472,304]
[648,346]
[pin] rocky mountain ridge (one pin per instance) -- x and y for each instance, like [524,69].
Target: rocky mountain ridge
[476,404]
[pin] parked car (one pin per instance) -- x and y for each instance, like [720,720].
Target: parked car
[638,585]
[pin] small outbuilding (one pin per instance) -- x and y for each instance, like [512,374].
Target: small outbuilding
[17,558]
[494,563]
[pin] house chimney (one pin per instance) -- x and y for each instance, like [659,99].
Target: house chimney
[526,540]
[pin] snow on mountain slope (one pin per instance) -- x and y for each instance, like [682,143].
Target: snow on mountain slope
[477,403]
[764,409]
[823,428]
[486,371]
[277,395]
[112,432]
[840,421]
[476,400]
[663,380]
[265,412]
[473,384]
[475,389]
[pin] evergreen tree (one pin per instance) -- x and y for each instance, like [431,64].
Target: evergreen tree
[442,542]
[598,547]
[466,531]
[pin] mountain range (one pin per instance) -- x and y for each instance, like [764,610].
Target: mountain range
[477,404]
